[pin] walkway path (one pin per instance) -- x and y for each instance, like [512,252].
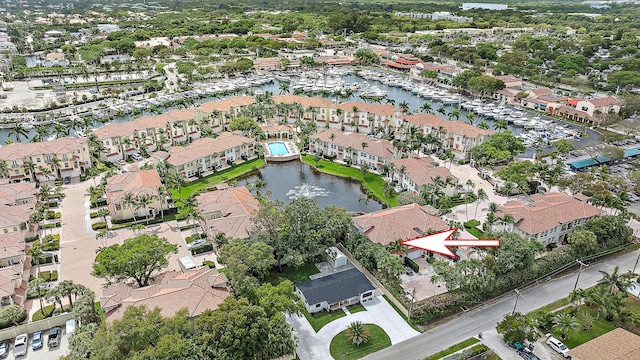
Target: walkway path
[312,346]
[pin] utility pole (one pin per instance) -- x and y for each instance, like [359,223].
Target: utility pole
[516,303]
[579,272]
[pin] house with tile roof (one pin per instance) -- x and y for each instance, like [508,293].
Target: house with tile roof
[331,292]
[357,116]
[197,290]
[13,284]
[352,147]
[402,222]
[314,109]
[18,193]
[72,153]
[414,173]
[597,106]
[228,211]
[274,131]
[15,219]
[617,344]
[136,183]
[548,218]
[13,249]
[208,154]
[458,136]
[219,114]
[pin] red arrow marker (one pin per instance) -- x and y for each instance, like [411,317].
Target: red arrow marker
[440,242]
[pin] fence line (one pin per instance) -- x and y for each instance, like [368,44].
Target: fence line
[375,281]
[40,325]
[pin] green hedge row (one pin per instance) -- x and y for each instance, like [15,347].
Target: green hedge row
[187,227]
[51,225]
[193,237]
[210,264]
[52,215]
[412,264]
[99,225]
[201,249]
[49,275]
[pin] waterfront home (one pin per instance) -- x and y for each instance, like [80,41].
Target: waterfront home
[228,211]
[548,218]
[366,118]
[134,184]
[405,222]
[414,173]
[354,148]
[306,109]
[458,136]
[64,158]
[208,154]
[218,114]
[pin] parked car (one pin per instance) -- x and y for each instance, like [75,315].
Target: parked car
[136,156]
[36,340]
[408,270]
[121,162]
[4,349]
[557,346]
[195,244]
[20,345]
[53,339]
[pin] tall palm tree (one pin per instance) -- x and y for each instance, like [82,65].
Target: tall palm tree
[405,107]
[426,108]
[55,165]
[470,118]
[36,253]
[143,201]
[390,102]
[19,132]
[481,196]
[36,284]
[500,125]
[30,168]
[4,169]
[128,200]
[162,197]
[483,125]
[615,283]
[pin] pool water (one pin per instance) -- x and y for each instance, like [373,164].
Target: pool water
[278,148]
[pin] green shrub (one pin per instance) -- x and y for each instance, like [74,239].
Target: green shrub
[54,275]
[45,275]
[187,227]
[93,214]
[43,313]
[121,226]
[45,259]
[210,264]
[5,323]
[412,264]
[194,237]
[99,225]
[201,249]
[51,242]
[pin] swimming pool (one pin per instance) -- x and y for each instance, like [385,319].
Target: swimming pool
[278,148]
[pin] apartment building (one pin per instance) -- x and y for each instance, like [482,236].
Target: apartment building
[414,173]
[218,114]
[134,184]
[352,147]
[366,118]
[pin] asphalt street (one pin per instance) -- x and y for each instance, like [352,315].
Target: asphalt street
[487,316]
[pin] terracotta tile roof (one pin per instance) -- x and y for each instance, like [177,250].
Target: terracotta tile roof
[422,170]
[382,148]
[617,344]
[453,127]
[227,104]
[541,91]
[204,147]
[197,290]
[599,102]
[228,211]
[302,100]
[14,215]
[402,222]
[9,277]
[508,78]
[142,182]
[12,245]
[143,123]
[544,212]
[376,109]
[13,192]
[276,128]
[16,151]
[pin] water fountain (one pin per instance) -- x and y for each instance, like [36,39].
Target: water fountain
[306,190]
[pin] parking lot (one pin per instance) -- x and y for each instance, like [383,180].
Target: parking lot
[43,353]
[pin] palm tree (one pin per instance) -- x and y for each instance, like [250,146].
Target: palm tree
[470,118]
[55,165]
[67,288]
[44,192]
[36,284]
[30,168]
[405,107]
[103,213]
[19,132]
[4,169]
[36,253]
[483,125]
[565,322]
[426,108]
[42,132]
[615,283]
[46,172]
[390,102]
[481,196]
[143,201]
[177,180]
[442,110]
[500,125]
[455,113]
[162,197]
[129,201]
[358,333]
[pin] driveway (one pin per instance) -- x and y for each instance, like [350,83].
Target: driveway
[312,346]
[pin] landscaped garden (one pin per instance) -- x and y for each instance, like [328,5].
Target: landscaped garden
[322,318]
[372,182]
[343,346]
[296,276]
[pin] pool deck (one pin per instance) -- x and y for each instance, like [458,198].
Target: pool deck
[293,154]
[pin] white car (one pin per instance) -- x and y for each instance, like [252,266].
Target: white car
[20,346]
[121,162]
[557,346]
[195,244]
[136,157]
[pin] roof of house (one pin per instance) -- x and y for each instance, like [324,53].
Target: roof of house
[14,215]
[541,91]
[143,123]
[8,279]
[605,101]
[12,245]
[141,182]
[302,100]
[617,344]
[200,148]
[269,129]
[378,147]
[335,287]
[452,127]
[401,222]
[376,109]
[228,211]
[16,150]
[55,55]
[422,170]
[227,104]
[544,212]
[12,192]
[198,289]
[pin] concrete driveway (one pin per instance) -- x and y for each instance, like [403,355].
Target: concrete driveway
[312,346]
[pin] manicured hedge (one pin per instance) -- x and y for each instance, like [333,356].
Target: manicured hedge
[210,264]
[187,227]
[412,264]
[51,242]
[201,249]
[99,225]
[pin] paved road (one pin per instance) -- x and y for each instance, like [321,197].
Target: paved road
[486,317]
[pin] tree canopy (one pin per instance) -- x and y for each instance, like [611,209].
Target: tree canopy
[502,147]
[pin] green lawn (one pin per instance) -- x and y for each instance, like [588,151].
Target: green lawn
[322,318]
[343,349]
[372,181]
[356,308]
[457,347]
[296,276]
[579,337]
[217,178]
